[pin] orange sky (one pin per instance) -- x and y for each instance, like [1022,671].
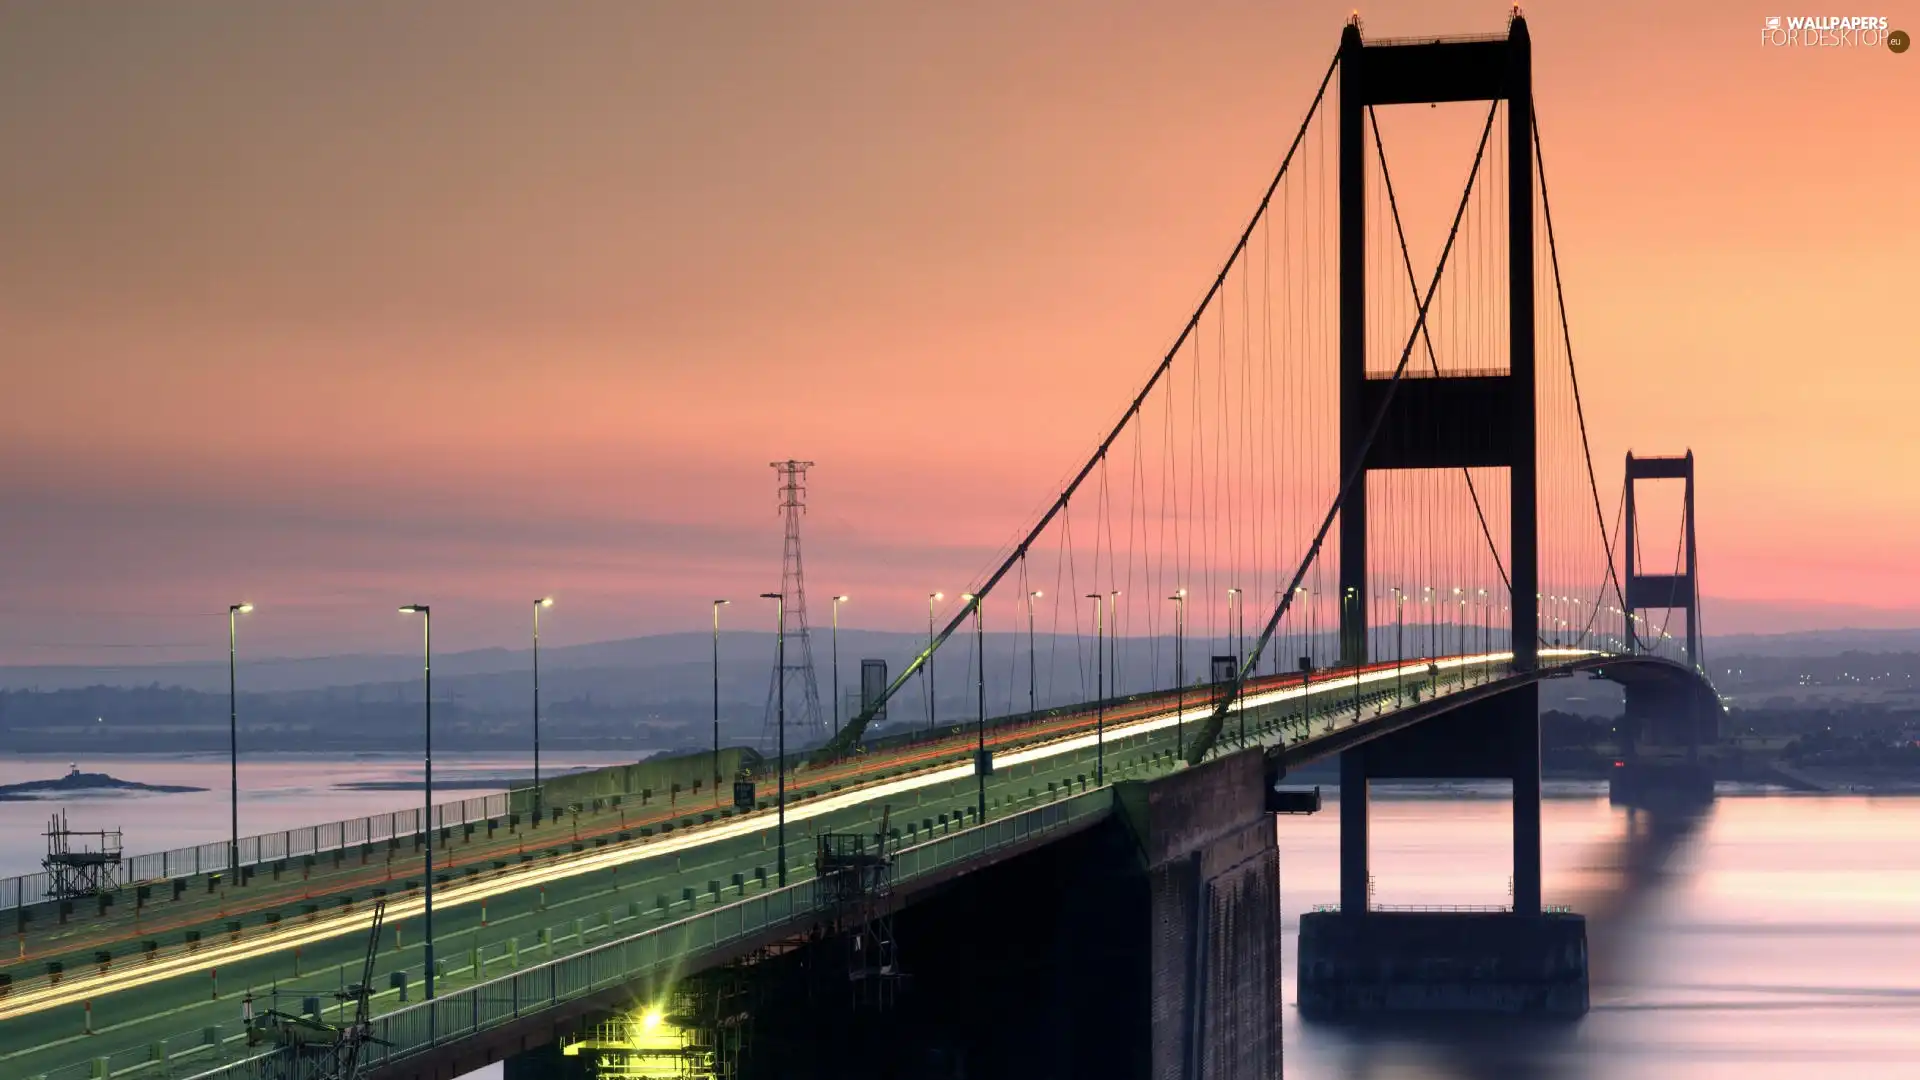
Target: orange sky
[341,306]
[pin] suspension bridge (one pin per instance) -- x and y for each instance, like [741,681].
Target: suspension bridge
[1368,437]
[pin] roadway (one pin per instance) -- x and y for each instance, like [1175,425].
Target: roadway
[526,895]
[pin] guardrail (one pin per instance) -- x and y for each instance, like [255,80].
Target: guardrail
[661,949]
[267,848]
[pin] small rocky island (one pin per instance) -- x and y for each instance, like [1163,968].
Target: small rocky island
[76,781]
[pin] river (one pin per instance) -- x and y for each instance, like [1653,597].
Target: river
[1777,937]
[277,792]
[1780,937]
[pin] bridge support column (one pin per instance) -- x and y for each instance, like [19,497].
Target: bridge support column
[1524,730]
[1367,960]
[1355,875]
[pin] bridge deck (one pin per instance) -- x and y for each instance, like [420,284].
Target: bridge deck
[681,898]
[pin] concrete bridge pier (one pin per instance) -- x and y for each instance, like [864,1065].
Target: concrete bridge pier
[1209,866]
[1361,961]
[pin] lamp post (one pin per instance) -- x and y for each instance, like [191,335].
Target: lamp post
[931,712]
[1233,626]
[1179,599]
[1353,598]
[1278,647]
[234,611]
[1433,643]
[1306,669]
[1235,603]
[980,685]
[1486,637]
[1099,693]
[543,602]
[1399,640]
[1033,684]
[426,823]
[717,605]
[780,660]
[837,601]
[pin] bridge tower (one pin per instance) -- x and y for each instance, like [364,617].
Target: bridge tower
[1663,718]
[1444,422]
[1679,591]
[803,707]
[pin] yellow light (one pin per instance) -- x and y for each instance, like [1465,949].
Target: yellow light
[938,596]
[965,597]
[244,608]
[651,1020]
[546,601]
[842,599]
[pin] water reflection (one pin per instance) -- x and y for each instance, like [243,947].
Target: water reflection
[1719,942]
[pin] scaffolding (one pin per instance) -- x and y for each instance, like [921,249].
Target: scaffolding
[854,885]
[75,872]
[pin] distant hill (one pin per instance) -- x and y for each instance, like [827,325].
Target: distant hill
[606,694]
[1814,643]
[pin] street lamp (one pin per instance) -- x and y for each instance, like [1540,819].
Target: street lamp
[1353,598]
[1233,628]
[717,605]
[1099,693]
[1179,599]
[980,685]
[928,668]
[780,661]
[1460,624]
[233,732]
[1235,603]
[1433,643]
[426,824]
[543,602]
[1033,684]
[1399,640]
[1306,669]
[1486,637]
[837,601]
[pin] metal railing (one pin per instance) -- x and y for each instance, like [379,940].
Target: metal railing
[656,951]
[267,848]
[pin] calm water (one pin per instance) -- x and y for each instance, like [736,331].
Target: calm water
[276,793]
[1778,937]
